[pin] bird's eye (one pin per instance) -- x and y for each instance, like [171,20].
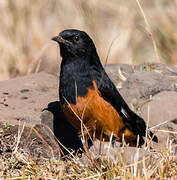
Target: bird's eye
[76,38]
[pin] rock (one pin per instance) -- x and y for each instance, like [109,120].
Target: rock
[47,118]
[156,67]
[140,86]
[162,114]
[119,72]
[116,155]
[162,108]
[23,98]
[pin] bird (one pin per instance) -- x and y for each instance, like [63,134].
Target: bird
[88,97]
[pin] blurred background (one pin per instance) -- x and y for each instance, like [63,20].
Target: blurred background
[27,27]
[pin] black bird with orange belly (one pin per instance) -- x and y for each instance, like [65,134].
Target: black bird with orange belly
[88,95]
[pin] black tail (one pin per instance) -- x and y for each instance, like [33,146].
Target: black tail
[141,128]
[153,137]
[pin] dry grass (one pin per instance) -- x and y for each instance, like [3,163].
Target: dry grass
[164,167]
[157,165]
[27,27]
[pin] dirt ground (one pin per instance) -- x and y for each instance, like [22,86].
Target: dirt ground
[33,141]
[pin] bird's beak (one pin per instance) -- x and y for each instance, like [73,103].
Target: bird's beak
[59,39]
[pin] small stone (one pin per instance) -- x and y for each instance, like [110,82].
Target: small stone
[24,97]
[24,90]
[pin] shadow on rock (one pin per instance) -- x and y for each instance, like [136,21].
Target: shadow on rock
[62,129]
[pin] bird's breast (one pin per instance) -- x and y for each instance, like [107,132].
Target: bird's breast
[95,113]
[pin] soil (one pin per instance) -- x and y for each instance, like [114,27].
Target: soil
[32,141]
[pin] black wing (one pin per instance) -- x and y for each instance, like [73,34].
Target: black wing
[109,92]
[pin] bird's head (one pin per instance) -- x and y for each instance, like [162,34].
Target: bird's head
[74,44]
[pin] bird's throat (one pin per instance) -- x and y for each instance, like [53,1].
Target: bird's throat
[75,79]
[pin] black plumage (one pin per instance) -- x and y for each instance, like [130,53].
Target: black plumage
[82,71]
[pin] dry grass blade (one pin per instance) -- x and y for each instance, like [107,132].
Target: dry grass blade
[43,140]
[160,124]
[148,28]
[120,75]
[109,146]
[109,51]
[19,136]
[147,125]
[83,128]
[167,131]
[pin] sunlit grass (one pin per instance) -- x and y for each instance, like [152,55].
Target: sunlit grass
[27,27]
[157,164]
